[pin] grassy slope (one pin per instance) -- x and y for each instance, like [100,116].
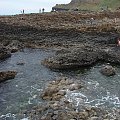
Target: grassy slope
[111,4]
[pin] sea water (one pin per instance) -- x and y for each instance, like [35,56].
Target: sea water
[23,92]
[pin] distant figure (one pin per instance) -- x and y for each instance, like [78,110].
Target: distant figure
[43,10]
[102,9]
[118,42]
[23,11]
[40,10]
[91,20]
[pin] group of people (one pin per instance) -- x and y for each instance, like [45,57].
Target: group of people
[40,11]
[43,10]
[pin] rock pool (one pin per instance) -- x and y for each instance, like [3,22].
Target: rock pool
[23,92]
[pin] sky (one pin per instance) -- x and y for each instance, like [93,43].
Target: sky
[12,7]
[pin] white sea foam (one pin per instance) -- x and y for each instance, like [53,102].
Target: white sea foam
[8,115]
[79,98]
[25,119]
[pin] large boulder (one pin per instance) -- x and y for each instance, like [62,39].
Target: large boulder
[4,53]
[6,75]
[108,70]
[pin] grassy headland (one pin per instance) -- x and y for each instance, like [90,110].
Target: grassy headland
[91,5]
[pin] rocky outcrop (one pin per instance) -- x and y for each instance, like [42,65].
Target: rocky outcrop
[56,110]
[6,75]
[58,29]
[57,89]
[11,45]
[64,109]
[4,53]
[85,56]
[113,56]
[108,70]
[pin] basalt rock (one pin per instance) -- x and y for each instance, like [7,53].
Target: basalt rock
[77,57]
[83,56]
[57,89]
[20,63]
[57,110]
[108,70]
[4,53]
[6,75]
[14,46]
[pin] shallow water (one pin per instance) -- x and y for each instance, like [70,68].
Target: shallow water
[99,90]
[23,92]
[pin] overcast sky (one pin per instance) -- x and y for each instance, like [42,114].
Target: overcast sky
[8,7]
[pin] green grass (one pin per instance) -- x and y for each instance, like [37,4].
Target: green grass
[113,4]
[105,4]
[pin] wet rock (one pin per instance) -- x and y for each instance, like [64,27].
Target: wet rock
[49,92]
[83,115]
[66,102]
[48,117]
[20,63]
[74,87]
[57,89]
[14,46]
[14,49]
[93,118]
[108,70]
[63,51]
[6,75]
[59,111]
[4,53]
[85,56]
[74,59]
[113,56]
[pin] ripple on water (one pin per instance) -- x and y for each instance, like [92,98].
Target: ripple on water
[100,91]
[23,92]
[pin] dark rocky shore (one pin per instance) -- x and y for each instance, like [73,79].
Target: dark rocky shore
[78,41]
[57,107]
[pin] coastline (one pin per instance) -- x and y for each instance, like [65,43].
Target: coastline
[75,36]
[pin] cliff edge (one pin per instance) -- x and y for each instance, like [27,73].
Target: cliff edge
[88,5]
